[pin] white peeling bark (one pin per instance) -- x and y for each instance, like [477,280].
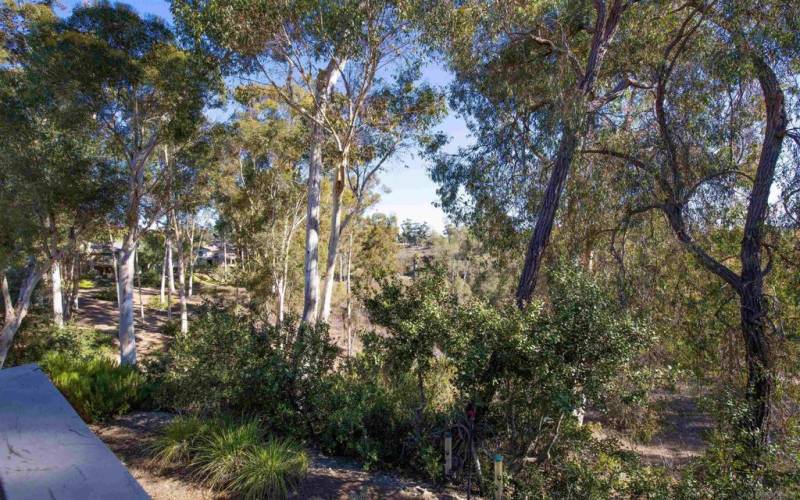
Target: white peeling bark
[333,240]
[325,82]
[170,267]
[164,274]
[182,289]
[57,295]
[15,313]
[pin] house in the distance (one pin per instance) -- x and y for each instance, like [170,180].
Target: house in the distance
[215,254]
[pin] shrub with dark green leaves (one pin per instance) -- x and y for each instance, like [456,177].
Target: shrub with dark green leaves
[539,365]
[96,387]
[231,363]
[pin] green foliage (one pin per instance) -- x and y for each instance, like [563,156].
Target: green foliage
[107,294]
[97,388]
[580,467]
[179,439]
[86,283]
[414,233]
[221,454]
[732,468]
[39,337]
[230,362]
[232,456]
[271,470]
[539,365]
[370,413]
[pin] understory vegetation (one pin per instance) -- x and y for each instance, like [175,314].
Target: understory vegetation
[603,293]
[230,455]
[437,357]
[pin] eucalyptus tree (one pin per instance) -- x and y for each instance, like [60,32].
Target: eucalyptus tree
[55,184]
[190,171]
[261,192]
[531,80]
[704,145]
[146,91]
[394,117]
[308,45]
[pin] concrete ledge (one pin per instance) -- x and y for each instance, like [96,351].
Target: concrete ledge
[47,451]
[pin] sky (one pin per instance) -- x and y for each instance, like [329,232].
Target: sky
[408,192]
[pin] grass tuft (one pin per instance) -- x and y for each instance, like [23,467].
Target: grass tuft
[232,456]
[220,455]
[179,440]
[271,470]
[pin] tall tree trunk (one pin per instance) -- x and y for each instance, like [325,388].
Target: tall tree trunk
[75,283]
[170,278]
[115,263]
[164,274]
[325,82]
[349,304]
[544,220]
[57,295]
[15,313]
[191,277]
[182,288]
[138,268]
[191,258]
[170,265]
[753,307]
[749,284]
[281,301]
[333,239]
[607,21]
[127,338]
[224,254]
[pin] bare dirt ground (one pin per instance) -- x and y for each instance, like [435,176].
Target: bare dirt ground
[328,478]
[680,438]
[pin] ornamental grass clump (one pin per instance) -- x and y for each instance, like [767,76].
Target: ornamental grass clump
[232,456]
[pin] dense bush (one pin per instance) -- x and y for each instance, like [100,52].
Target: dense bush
[540,365]
[732,468]
[524,373]
[96,387]
[232,363]
[232,456]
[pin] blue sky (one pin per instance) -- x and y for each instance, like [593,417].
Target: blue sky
[411,194]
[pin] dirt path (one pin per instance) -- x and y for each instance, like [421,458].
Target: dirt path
[102,315]
[328,478]
[681,437]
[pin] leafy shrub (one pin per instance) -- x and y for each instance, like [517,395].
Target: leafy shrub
[38,338]
[578,466]
[732,468]
[232,456]
[171,328]
[96,387]
[232,363]
[539,365]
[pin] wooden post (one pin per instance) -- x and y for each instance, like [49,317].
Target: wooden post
[448,454]
[498,477]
